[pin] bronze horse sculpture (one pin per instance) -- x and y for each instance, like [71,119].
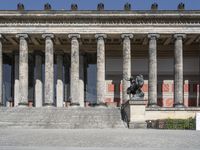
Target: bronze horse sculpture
[134,91]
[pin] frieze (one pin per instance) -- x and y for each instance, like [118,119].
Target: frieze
[83,22]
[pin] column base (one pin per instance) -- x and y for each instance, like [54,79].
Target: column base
[1,105]
[102,105]
[49,105]
[74,105]
[179,105]
[153,106]
[23,105]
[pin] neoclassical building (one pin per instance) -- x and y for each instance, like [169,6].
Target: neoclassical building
[50,57]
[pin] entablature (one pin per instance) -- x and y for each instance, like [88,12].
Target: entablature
[95,18]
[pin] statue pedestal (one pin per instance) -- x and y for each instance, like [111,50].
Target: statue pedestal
[134,112]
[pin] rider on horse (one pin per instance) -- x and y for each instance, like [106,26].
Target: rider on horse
[135,87]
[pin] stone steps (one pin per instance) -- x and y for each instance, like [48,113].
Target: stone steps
[68,118]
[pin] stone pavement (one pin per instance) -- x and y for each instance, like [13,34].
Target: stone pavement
[100,139]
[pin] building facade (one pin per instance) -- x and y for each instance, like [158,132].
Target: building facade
[50,57]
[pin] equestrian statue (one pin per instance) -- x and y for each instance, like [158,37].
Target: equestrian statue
[134,91]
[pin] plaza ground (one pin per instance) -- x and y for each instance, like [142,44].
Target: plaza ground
[29,139]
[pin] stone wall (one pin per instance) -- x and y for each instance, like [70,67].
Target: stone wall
[172,113]
[165,66]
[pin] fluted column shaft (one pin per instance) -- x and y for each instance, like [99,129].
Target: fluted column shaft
[152,83]
[49,70]
[126,64]
[38,80]
[178,70]
[1,72]
[100,68]
[59,84]
[74,77]
[23,69]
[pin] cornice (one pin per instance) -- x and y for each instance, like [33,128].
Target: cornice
[96,18]
[53,14]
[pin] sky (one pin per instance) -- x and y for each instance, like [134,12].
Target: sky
[92,4]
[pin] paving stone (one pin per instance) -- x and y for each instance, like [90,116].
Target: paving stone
[98,139]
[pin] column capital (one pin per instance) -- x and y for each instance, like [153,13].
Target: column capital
[153,35]
[74,35]
[48,35]
[129,35]
[23,35]
[100,35]
[179,35]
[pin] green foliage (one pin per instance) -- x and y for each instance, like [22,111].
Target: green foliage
[172,124]
[180,123]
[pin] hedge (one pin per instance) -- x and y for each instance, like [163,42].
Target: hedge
[172,124]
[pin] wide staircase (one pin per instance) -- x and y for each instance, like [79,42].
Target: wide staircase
[62,118]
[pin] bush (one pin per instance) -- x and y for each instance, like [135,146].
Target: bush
[172,124]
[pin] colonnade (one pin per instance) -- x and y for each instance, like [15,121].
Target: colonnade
[76,87]
[152,68]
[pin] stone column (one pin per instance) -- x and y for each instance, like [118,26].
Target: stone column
[49,70]
[16,80]
[152,83]
[81,81]
[59,84]
[23,69]
[74,73]
[38,80]
[100,68]
[126,65]
[1,72]
[178,70]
